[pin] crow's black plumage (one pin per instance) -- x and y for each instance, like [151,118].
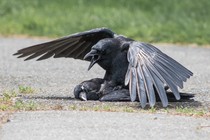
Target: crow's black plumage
[138,67]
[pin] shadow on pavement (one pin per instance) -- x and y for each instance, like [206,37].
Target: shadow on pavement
[185,101]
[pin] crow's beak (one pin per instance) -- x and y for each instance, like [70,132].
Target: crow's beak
[83,96]
[93,56]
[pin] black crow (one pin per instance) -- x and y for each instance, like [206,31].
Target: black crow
[140,68]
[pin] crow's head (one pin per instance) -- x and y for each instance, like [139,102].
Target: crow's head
[103,53]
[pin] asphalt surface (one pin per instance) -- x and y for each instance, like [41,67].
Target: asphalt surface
[55,79]
[106,125]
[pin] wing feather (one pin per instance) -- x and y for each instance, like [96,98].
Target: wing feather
[133,84]
[74,46]
[171,85]
[127,76]
[141,87]
[56,50]
[154,70]
[148,82]
[160,54]
[159,87]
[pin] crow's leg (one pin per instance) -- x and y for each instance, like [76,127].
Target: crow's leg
[88,90]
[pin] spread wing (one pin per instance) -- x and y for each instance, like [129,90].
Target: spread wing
[149,71]
[75,45]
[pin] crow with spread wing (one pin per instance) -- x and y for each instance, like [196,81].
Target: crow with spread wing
[134,70]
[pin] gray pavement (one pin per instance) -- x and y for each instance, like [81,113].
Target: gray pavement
[57,78]
[86,125]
